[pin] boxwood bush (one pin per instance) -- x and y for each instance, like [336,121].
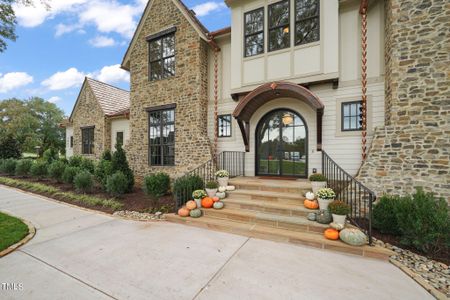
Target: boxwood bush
[385,216]
[23,167]
[69,174]
[83,182]
[156,185]
[39,169]
[116,184]
[56,170]
[8,166]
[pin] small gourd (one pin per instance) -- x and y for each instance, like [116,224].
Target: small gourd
[312,216]
[222,189]
[324,217]
[331,234]
[207,202]
[311,204]
[310,196]
[218,205]
[183,212]
[337,226]
[353,236]
[195,213]
[221,195]
[216,199]
[231,188]
[191,205]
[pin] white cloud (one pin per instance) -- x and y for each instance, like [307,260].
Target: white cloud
[64,80]
[13,80]
[102,41]
[206,8]
[63,29]
[54,99]
[113,74]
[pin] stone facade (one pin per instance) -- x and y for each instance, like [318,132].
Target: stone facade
[187,89]
[413,149]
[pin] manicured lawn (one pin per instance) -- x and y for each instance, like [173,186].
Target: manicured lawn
[12,230]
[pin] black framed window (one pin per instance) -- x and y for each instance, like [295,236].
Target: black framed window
[119,138]
[307,21]
[162,57]
[351,116]
[87,137]
[162,137]
[71,141]
[224,126]
[279,27]
[254,32]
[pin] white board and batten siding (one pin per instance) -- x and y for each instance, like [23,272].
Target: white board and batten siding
[69,147]
[119,125]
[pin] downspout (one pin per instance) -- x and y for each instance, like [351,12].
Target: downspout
[363,12]
[216,50]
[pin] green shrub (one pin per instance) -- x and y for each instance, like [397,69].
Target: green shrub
[88,165]
[69,174]
[107,155]
[424,222]
[23,167]
[120,163]
[184,186]
[156,185]
[39,169]
[50,155]
[83,182]
[75,161]
[212,185]
[56,170]
[385,215]
[8,166]
[116,184]
[317,177]
[102,171]
[9,147]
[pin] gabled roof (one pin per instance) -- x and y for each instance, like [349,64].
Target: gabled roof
[113,101]
[189,14]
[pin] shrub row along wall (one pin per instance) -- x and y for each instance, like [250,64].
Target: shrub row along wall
[413,148]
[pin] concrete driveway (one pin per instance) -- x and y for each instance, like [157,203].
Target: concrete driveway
[79,254]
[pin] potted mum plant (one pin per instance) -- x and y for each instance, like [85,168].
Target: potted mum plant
[211,188]
[222,177]
[318,181]
[198,195]
[325,197]
[339,210]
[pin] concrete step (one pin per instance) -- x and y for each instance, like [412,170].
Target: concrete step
[279,197]
[282,207]
[296,223]
[281,235]
[282,186]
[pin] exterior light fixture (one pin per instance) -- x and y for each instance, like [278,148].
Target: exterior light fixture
[287,119]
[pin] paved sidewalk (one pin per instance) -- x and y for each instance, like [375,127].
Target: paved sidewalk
[79,254]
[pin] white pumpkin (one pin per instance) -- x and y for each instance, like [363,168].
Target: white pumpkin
[337,226]
[231,188]
[218,205]
[310,196]
[221,195]
[222,189]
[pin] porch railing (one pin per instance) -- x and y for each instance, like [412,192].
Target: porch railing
[351,191]
[232,161]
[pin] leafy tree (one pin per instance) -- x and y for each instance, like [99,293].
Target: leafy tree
[120,163]
[9,146]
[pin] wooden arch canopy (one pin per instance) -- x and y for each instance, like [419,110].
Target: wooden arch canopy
[270,91]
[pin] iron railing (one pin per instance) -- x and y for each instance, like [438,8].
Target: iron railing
[351,191]
[232,161]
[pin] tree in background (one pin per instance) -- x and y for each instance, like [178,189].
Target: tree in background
[9,146]
[33,122]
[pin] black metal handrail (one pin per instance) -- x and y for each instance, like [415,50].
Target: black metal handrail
[351,191]
[232,161]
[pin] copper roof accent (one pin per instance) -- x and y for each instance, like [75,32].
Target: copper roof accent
[220,32]
[272,90]
[112,100]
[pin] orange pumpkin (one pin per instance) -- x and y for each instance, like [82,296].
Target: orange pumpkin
[183,212]
[216,199]
[191,205]
[311,204]
[331,234]
[207,202]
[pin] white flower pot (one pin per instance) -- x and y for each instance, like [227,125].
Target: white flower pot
[323,203]
[198,202]
[317,185]
[223,181]
[211,192]
[339,219]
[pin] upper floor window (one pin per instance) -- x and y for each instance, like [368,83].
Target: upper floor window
[351,116]
[162,136]
[224,126]
[162,57]
[87,137]
[254,32]
[307,21]
[279,37]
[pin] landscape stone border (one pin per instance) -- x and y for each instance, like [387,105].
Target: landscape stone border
[26,239]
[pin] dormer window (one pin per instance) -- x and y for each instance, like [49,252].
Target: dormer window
[307,21]
[279,29]
[254,32]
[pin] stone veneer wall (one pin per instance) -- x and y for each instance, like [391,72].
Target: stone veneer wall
[89,113]
[187,89]
[413,149]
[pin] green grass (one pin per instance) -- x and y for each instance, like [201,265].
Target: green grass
[12,230]
[288,167]
[58,194]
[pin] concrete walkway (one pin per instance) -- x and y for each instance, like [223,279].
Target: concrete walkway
[79,254]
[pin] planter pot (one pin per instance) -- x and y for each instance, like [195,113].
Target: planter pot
[211,192]
[223,181]
[339,219]
[198,202]
[323,203]
[317,185]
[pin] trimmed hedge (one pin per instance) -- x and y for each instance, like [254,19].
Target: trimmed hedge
[156,185]
[23,167]
[83,182]
[116,184]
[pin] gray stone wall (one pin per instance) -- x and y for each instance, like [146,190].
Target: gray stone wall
[413,148]
[187,89]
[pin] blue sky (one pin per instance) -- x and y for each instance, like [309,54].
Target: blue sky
[56,48]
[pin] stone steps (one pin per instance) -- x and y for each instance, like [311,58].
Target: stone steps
[279,197]
[283,207]
[281,235]
[299,187]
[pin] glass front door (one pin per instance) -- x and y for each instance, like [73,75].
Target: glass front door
[281,145]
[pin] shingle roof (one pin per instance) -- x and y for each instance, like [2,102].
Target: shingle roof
[113,101]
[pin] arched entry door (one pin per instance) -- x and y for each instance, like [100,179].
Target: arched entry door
[281,145]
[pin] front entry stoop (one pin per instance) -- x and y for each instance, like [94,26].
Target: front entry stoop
[273,210]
